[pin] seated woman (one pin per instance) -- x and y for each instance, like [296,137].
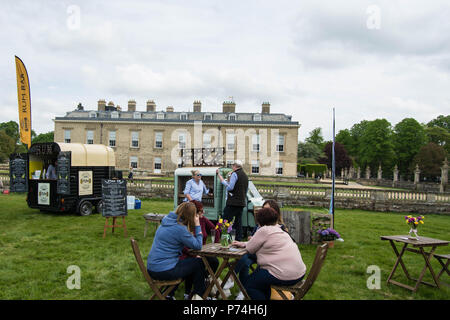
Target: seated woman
[279,260]
[206,227]
[178,229]
[243,266]
[195,188]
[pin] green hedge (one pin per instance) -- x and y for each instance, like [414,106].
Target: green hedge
[310,168]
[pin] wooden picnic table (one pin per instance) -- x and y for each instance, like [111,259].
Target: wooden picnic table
[418,248]
[230,259]
[152,217]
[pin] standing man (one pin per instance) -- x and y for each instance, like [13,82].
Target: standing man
[236,196]
[51,170]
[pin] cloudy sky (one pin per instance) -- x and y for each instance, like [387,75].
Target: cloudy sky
[367,59]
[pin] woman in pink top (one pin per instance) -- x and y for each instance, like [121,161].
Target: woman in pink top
[279,260]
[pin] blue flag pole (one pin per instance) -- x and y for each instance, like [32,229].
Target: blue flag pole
[333,176]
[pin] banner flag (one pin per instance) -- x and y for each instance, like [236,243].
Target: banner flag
[333,172]
[24,100]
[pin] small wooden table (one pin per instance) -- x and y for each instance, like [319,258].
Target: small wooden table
[422,243]
[152,217]
[230,259]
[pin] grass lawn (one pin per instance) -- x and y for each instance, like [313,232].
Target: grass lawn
[36,248]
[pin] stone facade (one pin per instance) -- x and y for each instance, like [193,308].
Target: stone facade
[150,137]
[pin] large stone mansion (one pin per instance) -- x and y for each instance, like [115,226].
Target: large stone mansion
[151,140]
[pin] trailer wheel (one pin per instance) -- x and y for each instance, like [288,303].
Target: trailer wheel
[99,206]
[85,208]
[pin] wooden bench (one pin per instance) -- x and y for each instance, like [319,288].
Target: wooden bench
[441,258]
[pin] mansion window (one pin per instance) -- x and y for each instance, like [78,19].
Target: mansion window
[255,166]
[112,139]
[280,143]
[255,143]
[157,165]
[67,136]
[257,117]
[90,137]
[231,144]
[207,117]
[134,139]
[158,140]
[134,162]
[279,168]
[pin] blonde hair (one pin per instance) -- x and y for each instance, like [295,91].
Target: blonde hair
[194,172]
[186,215]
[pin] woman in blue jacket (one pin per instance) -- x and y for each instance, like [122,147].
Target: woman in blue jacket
[178,229]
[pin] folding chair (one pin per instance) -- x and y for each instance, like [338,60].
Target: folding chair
[440,258]
[157,286]
[302,287]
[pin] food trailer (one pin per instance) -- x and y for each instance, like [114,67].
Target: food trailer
[77,186]
[213,205]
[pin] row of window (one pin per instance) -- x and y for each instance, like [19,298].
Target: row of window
[183,116]
[255,167]
[230,140]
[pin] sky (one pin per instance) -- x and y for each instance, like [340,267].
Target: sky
[367,59]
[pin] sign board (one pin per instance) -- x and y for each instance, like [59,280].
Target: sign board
[114,196]
[18,173]
[44,194]
[202,157]
[85,183]
[63,173]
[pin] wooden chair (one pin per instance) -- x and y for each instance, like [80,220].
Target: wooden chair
[156,285]
[302,287]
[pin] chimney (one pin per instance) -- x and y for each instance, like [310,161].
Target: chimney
[229,106]
[169,109]
[151,106]
[110,106]
[197,106]
[131,105]
[265,107]
[118,108]
[101,105]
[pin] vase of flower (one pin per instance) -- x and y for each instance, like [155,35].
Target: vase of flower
[413,222]
[328,236]
[225,228]
[225,240]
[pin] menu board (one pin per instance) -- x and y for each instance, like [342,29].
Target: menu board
[114,196]
[63,173]
[18,174]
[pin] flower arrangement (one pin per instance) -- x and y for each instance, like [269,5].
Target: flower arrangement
[414,221]
[328,234]
[225,228]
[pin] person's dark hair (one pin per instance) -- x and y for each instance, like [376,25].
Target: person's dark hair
[267,217]
[198,205]
[274,205]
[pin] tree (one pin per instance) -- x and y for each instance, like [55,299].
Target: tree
[6,145]
[430,159]
[376,146]
[409,136]
[315,137]
[342,160]
[440,121]
[439,136]
[44,137]
[356,132]
[309,153]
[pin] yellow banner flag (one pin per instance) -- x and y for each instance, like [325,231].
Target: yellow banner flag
[23,96]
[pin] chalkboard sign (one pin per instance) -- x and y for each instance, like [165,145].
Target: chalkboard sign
[18,173]
[63,173]
[114,195]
